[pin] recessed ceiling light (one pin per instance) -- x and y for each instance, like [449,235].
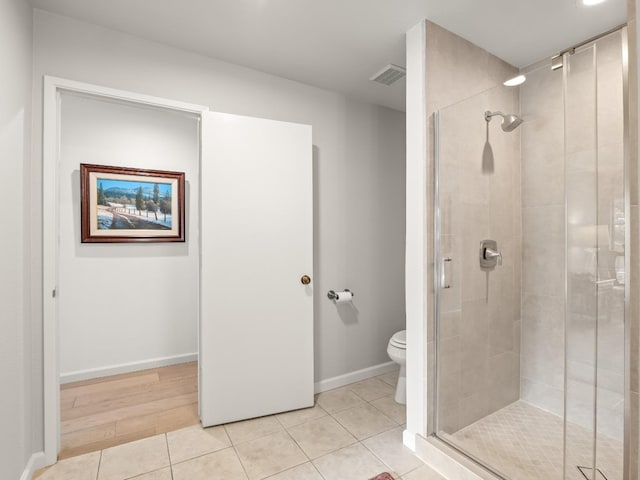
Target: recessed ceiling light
[512,82]
[590,3]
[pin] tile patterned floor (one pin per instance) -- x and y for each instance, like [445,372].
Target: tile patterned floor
[352,433]
[525,443]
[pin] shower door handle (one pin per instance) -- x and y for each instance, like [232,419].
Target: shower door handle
[443,272]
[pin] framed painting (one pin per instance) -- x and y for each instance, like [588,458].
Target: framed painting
[131,205]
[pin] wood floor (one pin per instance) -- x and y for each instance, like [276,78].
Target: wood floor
[109,411]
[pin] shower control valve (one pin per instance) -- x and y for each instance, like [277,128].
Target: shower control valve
[489,254]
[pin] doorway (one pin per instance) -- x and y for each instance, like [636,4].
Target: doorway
[124,308]
[113,309]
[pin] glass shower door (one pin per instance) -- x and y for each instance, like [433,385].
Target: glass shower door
[581,306]
[478,301]
[595,318]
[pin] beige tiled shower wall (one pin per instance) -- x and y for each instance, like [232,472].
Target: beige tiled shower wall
[480,199]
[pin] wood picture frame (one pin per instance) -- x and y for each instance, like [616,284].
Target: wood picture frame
[123,205]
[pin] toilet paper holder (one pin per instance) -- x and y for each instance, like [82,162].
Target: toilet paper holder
[332,295]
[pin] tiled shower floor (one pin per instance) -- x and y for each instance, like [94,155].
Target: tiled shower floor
[525,443]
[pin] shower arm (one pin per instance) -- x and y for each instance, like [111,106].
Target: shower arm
[488,114]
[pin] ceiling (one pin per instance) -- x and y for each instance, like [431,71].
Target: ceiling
[339,44]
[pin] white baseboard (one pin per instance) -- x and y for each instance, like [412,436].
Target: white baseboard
[36,462]
[409,440]
[352,377]
[126,368]
[448,462]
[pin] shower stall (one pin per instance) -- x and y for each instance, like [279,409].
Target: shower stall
[531,323]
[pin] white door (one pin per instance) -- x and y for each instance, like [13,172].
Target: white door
[256,318]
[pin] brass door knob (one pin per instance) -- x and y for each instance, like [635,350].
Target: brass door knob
[306,280]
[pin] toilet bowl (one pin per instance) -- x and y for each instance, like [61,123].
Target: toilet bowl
[397,351]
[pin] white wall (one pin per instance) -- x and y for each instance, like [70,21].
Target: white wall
[125,304]
[15,348]
[416,253]
[358,169]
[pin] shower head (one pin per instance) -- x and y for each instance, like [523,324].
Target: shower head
[509,121]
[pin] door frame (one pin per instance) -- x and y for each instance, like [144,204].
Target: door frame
[52,88]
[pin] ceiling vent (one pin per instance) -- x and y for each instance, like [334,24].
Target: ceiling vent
[389,74]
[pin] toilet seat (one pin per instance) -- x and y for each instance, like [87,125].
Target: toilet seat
[399,339]
[397,351]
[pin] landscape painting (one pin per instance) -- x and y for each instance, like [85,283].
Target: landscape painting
[131,205]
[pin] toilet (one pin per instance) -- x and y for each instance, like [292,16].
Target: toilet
[397,351]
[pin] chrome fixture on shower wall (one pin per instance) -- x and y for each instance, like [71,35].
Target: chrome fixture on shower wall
[509,123]
[489,254]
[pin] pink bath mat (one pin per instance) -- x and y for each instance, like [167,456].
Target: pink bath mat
[382,476]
